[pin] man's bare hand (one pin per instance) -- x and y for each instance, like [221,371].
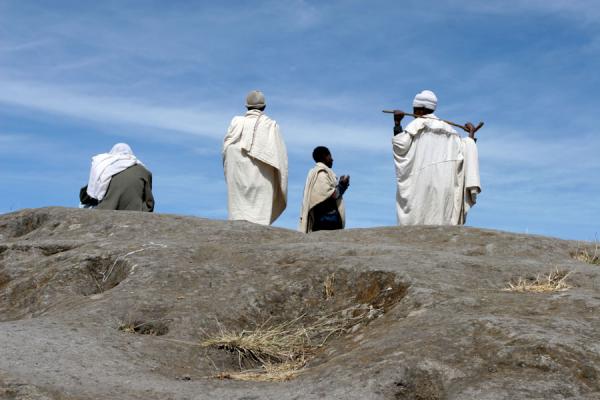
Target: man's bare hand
[345,180]
[398,115]
[471,129]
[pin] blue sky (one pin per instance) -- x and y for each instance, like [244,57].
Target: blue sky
[167,77]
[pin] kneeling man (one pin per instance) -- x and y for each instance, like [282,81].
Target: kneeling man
[322,204]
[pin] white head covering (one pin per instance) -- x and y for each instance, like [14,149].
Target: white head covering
[255,99]
[107,165]
[426,99]
[121,148]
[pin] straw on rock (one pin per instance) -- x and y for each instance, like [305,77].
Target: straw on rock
[553,282]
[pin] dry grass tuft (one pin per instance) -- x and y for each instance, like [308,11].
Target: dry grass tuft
[328,286]
[265,345]
[152,328]
[268,373]
[128,328]
[553,282]
[587,255]
[282,350]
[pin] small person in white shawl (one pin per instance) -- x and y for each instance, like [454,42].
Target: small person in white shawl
[437,171]
[256,165]
[322,203]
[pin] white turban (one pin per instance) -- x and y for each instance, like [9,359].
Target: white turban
[426,99]
[121,148]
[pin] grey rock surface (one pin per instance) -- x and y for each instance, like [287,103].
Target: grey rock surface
[70,278]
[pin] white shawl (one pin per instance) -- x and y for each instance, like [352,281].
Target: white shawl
[434,168]
[107,165]
[320,185]
[258,137]
[472,180]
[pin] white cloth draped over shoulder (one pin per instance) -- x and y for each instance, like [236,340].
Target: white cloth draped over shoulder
[320,185]
[256,168]
[107,165]
[437,172]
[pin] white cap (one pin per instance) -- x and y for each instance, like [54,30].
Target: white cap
[255,99]
[426,99]
[121,148]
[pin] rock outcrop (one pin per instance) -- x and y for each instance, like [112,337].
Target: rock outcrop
[111,305]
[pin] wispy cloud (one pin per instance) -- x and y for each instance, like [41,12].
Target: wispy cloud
[63,101]
[39,150]
[580,9]
[200,120]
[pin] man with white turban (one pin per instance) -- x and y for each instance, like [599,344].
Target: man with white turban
[255,164]
[437,171]
[119,181]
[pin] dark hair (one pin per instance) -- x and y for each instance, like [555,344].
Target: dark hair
[319,153]
[425,110]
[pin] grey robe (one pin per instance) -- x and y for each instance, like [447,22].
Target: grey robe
[130,190]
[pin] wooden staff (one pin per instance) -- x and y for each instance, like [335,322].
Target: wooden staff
[448,122]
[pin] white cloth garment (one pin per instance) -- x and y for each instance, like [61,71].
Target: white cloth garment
[256,168]
[434,169]
[320,185]
[472,179]
[107,165]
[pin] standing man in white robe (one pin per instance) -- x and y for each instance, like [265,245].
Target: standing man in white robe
[255,164]
[437,171]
